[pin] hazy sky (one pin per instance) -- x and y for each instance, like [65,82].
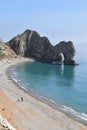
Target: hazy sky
[57,19]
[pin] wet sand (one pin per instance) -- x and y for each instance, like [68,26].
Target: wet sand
[25,112]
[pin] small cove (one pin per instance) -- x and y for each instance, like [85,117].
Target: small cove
[61,85]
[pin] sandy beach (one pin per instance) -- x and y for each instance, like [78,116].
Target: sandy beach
[24,112]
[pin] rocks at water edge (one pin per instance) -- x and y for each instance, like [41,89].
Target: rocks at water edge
[31,44]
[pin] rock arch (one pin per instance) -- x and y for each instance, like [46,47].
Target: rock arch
[31,44]
[67,50]
[59,57]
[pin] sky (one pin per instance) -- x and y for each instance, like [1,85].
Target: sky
[57,19]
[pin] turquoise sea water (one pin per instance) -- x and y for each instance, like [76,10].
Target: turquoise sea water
[64,85]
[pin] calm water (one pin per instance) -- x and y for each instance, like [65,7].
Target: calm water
[65,85]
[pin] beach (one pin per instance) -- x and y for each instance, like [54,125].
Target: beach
[23,111]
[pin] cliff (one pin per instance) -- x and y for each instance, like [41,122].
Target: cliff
[6,52]
[31,44]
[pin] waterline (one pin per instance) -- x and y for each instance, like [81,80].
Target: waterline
[68,110]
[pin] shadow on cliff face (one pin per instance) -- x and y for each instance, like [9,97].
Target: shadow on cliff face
[31,44]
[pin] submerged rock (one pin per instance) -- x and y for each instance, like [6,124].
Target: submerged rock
[31,44]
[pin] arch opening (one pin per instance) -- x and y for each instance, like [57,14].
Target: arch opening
[59,58]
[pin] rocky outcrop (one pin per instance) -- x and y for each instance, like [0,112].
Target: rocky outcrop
[6,52]
[31,44]
[68,51]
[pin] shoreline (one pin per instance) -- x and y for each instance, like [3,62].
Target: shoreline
[66,110]
[56,116]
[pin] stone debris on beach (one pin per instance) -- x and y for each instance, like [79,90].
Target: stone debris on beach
[4,124]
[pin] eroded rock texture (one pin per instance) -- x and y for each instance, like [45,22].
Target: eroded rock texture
[6,52]
[31,44]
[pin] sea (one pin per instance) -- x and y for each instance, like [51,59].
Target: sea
[63,86]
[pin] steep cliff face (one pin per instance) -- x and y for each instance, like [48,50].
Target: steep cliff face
[31,44]
[6,52]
